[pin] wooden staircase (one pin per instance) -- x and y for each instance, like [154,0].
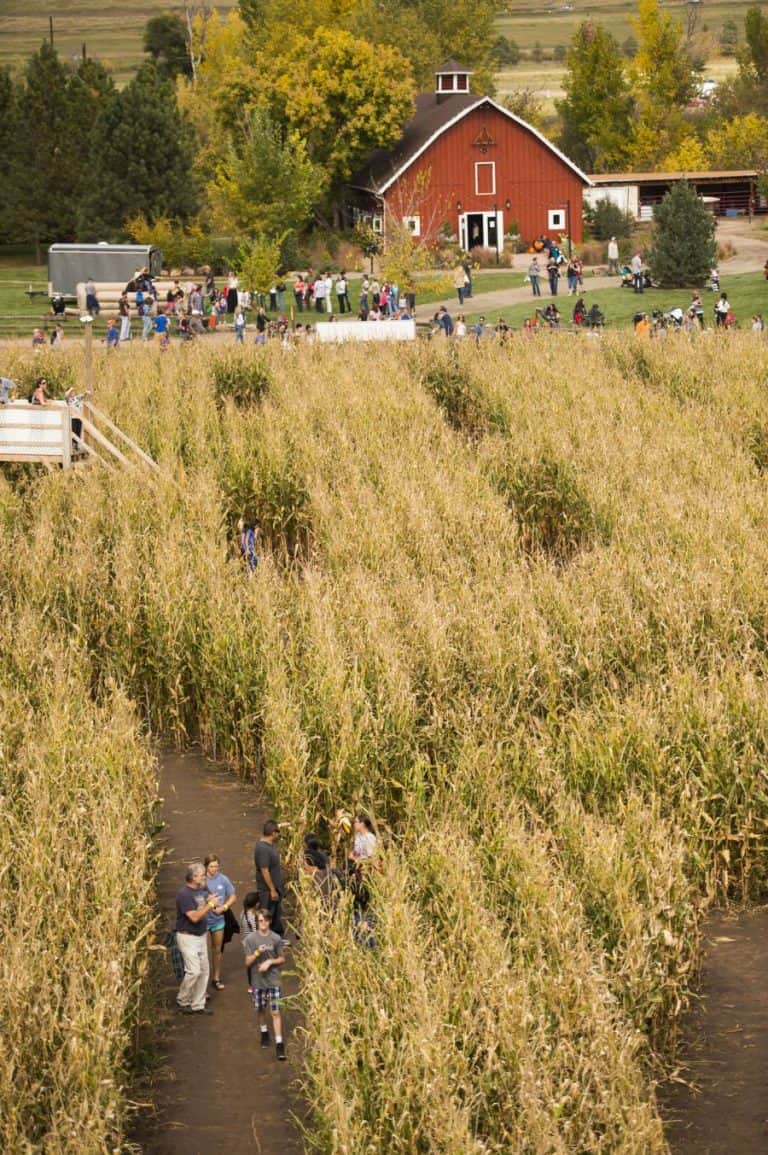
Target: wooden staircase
[51,436]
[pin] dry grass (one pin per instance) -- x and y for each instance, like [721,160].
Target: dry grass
[513,602]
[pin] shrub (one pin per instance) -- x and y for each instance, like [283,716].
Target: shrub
[608,220]
[450,385]
[553,512]
[241,378]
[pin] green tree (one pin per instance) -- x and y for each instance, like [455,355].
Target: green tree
[664,83]
[596,112]
[740,143]
[265,183]
[53,156]
[684,247]
[755,58]
[143,157]
[10,194]
[729,38]
[505,53]
[608,220]
[748,92]
[328,89]
[165,41]
[258,263]
[526,103]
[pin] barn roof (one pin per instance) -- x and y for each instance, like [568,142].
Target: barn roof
[609,178]
[435,114]
[452,67]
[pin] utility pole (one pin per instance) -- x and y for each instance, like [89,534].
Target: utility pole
[50,29]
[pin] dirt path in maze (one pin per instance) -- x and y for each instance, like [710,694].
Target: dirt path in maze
[724,1049]
[218,1091]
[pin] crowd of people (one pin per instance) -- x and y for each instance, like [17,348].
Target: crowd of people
[205,921]
[187,310]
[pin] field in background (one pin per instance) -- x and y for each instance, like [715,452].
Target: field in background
[112,32]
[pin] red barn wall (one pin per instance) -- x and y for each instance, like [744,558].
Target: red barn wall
[528,174]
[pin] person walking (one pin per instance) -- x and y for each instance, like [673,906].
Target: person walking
[147,321]
[722,309]
[193,905]
[249,532]
[342,293]
[92,305]
[459,282]
[124,309]
[239,324]
[534,273]
[553,272]
[613,257]
[220,888]
[269,874]
[264,956]
[636,267]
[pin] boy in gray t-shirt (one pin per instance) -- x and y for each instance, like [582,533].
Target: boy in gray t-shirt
[264,955]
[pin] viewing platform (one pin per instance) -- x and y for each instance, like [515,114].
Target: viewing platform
[61,435]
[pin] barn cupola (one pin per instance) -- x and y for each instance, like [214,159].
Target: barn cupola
[450,79]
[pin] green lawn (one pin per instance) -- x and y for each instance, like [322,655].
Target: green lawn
[747,293]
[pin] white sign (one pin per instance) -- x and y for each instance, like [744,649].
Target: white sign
[366,331]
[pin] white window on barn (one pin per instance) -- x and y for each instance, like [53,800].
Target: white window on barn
[377,224]
[485,178]
[556,218]
[413,224]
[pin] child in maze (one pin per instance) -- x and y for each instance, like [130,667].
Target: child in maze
[264,956]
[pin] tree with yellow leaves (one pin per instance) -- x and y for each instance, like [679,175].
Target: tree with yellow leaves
[663,82]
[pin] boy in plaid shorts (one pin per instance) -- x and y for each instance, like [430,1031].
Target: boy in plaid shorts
[263,953]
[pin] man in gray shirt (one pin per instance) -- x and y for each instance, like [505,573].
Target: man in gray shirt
[269,874]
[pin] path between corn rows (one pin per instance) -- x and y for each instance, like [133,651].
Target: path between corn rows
[218,1093]
[725,1046]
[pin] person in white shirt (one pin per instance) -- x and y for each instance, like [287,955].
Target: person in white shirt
[364,845]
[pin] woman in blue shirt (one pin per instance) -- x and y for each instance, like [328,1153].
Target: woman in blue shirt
[220,888]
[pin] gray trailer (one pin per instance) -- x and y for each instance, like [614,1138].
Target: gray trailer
[68,265]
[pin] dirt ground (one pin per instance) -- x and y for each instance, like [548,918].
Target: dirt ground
[724,1051]
[217,1090]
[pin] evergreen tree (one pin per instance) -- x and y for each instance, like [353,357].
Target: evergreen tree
[52,154]
[9,189]
[684,247]
[143,154]
[165,40]
[597,109]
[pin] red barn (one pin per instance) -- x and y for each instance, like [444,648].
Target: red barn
[468,162]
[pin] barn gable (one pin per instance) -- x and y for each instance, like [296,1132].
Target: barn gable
[487,168]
